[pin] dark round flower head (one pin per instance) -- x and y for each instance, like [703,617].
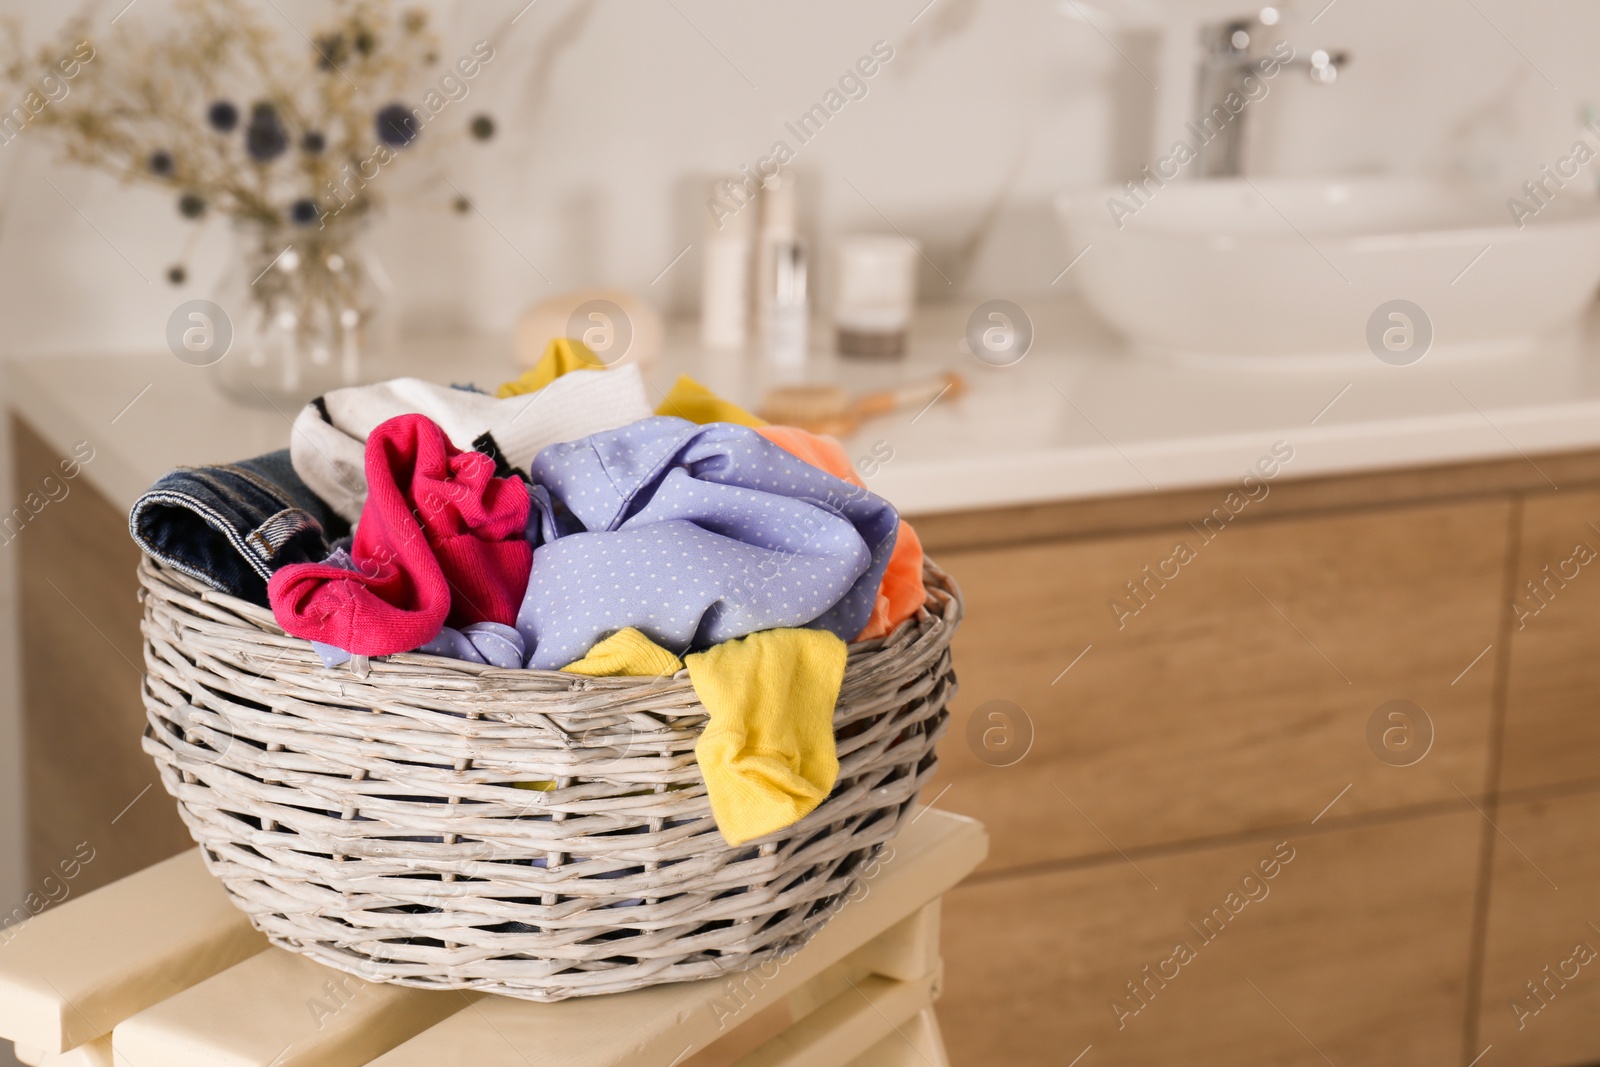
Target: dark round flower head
[191,205]
[265,138]
[312,142]
[482,127]
[305,212]
[223,116]
[332,50]
[160,162]
[396,125]
[366,42]
[176,274]
[462,205]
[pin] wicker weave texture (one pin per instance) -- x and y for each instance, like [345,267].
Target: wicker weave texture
[367,816]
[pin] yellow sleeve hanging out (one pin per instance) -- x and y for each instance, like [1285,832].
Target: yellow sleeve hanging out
[768,754]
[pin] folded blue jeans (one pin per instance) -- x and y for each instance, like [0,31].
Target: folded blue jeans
[231,526]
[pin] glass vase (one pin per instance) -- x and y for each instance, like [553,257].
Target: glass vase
[310,310]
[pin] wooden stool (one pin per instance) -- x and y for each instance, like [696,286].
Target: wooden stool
[159,970]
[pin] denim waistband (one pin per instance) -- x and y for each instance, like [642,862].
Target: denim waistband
[231,526]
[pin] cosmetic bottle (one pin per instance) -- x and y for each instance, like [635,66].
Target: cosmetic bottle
[786,319]
[874,293]
[725,296]
[781,296]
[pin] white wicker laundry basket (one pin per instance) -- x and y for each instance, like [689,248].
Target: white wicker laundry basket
[368,817]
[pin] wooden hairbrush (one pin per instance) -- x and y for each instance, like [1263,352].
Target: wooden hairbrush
[830,409]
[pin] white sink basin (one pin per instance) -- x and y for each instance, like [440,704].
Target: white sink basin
[1264,269]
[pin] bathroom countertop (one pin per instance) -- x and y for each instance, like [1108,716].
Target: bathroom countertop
[1078,418]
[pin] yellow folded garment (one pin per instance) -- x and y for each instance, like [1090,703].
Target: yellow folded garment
[561,355]
[768,754]
[626,652]
[688,399]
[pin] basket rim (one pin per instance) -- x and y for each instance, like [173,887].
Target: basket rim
[158,579]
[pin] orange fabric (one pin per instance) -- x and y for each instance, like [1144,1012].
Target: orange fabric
[902,592]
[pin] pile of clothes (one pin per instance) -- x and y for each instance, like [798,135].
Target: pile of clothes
[561,524]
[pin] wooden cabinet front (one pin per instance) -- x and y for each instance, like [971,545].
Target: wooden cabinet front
[1356,948]
[1540,997]
[91,790]
[1552,730]
[1242,693]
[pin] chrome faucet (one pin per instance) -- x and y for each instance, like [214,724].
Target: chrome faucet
[1235,60]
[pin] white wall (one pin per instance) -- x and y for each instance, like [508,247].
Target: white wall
[614,112]
[614,115]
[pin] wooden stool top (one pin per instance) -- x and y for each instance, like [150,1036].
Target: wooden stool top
[163,963]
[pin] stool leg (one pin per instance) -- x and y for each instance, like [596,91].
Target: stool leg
[834,1017]
[927,1024]
[910,948]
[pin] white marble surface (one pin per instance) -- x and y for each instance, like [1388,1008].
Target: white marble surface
[1077,418]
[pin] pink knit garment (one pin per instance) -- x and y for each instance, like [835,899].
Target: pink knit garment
[441,539]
